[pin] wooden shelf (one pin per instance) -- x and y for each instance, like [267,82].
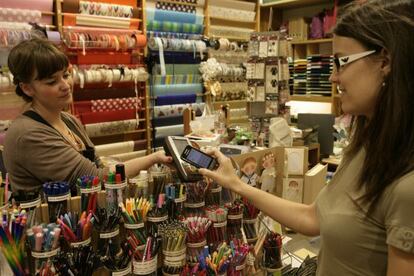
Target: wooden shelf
[293,3]
[311,98]
[312,41]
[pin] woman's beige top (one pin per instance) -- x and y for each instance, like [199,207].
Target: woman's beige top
[35,153]
[356,244]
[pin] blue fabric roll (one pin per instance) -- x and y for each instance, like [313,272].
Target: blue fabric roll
[174,16]
[175,99]
[177,57]
[176,89]
[167,121]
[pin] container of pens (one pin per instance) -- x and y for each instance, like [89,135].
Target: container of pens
[75,228]
[173,234]
[159,178]
[89,187]
[250,213]
[106,230]
[134,214]
[43,242]
[157,215]
[238,258]
[213,195]
[176,196]
[76,261]
[57,196]
[115,186]
[138,186]
[234,220]
[195,198]
[196,237]
[217,232]
[145,258]
[272,253]
[120,263]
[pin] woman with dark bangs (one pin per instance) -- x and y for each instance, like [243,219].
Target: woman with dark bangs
[365,215]
[46,143]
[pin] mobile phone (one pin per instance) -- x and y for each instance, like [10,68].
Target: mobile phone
[198,159]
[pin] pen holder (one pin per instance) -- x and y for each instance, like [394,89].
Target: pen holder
[176,210]
[226,196]
[29,204]
[137,232]
[154,221]
[250,230]
[147,268]
[174,261]
[109,241]
[138,187]
[213,196]
[115,193]
[89,198]
[158,180]
[217,233]
[237,269]
[234,224]
[193,251]
[122,272]
[195,191]
[57,204]
[272,257]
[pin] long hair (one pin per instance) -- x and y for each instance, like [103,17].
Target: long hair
[387,137]
[32,59]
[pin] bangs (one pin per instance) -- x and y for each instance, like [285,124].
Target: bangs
[47,61]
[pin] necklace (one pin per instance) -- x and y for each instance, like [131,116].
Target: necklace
[74,140]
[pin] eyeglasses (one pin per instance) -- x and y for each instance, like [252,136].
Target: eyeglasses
[342,61]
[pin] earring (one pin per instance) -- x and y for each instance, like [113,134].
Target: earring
[383,84]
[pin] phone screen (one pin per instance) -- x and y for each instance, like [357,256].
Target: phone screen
[199,158]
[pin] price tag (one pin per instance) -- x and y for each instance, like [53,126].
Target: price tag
[58,198]
[81,243]
[31,204]
[116,186]
[109,234]
[44,255]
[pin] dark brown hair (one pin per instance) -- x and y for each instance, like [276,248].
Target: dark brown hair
[34,59]
[387,137]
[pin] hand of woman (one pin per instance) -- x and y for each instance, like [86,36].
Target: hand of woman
[225,175]
[160,158]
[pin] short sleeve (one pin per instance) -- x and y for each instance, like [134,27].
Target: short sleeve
[399,217]
[53,159]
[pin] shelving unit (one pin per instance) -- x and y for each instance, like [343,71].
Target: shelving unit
[119,56]
[285,10]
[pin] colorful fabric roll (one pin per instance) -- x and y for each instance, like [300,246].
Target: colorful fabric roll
[118,148]
[175,130]
[177,57]
[107,116]
[102,9]
[167,121]
[176,110]
[176,79]
[168,26]
[176,89]
[109,128]
[115,104]
[177,69]
[20,15]
[180,17]
[175,99]
[173,35]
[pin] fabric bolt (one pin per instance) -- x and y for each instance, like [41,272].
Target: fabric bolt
[232,13]
[176,89]
[115,104]
[176,79]
[41,5]
[96,8]
[109,128]
[174,130]
[169,26]
[151,34]
[242,5]
[20,15]
[122,157]
[176,110]
[119,148]
[176,57]
[177,69]
[180,17]
[176,99]
[167,121]
[107,116]
[195,2]
[242,33]
[180,7]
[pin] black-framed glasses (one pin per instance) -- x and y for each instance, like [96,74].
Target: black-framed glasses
[342,61]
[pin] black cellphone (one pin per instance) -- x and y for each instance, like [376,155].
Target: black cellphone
[198,159]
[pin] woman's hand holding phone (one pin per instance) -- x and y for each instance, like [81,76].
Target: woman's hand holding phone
[225,175]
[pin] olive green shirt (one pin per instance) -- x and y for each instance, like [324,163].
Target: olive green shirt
[35,153]
[354,243]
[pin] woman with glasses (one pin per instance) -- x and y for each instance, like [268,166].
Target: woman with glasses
[365,216]
[46,143]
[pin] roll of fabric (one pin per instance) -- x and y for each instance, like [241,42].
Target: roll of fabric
[180,7]
[41,5]
[103,9]
[177,69]
[176,79]
[176,57]
[231,4]
[109,128]
[175,130]
[174,16]
[242,33]
[176,99]
[232,13]
[107,116]
[173,35]
[129,155]
[167,121]
[176,89]
[100,21]
[168,26]
[176,110]
[20,15]
[54,37]
[194,2]
[119,148]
